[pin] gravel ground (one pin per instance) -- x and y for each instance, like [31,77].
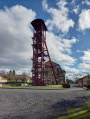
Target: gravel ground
[39,104]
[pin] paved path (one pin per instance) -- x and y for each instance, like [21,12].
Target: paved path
[39,104]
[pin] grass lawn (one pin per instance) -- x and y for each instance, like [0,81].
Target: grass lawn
[13,86]
[33,87]
[82,112]
[47,87]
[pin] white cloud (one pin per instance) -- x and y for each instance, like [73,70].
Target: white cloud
[70,72]
[60,19]
[79,51]
[86,2]
[86,57]
[15,37]
[76,9]
[73,1]
[84,19]
[85,60]
[15,40]
[84,66]
[60,49]
[45,5]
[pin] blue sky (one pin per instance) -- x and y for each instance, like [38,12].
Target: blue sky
[68,36]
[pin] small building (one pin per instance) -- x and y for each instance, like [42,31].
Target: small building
[2,80]
[80,82]
[49,77]
[84,81]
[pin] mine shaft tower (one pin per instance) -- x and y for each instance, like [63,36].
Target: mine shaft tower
[40,51]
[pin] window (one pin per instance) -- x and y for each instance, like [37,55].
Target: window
[88,76]
[61,72]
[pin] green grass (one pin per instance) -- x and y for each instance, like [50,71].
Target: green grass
[13,86]
[82,112]
[33,87]
[48,87]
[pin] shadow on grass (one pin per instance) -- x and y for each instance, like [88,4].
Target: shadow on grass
[76,109]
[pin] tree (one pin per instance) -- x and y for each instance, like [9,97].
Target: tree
[11,76]
[69,81]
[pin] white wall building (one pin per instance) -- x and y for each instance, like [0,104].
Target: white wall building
[84,81]
[2,80]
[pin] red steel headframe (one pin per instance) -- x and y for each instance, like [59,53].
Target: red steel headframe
[39,53]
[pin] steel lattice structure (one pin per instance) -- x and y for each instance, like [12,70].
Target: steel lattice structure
[40,51]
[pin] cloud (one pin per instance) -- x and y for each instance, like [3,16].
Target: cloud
[76,9]
[85,60]
[60,20]
[79,51]
[86,57]
[86,2]
[73,1]
[15,37]
[15,40]
[84,19]
[70,72]
[84,66]
[45,5]
[60,49]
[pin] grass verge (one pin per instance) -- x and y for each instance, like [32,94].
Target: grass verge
[33,87]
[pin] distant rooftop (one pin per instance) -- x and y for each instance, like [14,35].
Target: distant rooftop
[37,23]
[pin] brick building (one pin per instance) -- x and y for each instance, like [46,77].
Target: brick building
[49,77]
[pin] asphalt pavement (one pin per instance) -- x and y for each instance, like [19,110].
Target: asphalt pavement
[39,104]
